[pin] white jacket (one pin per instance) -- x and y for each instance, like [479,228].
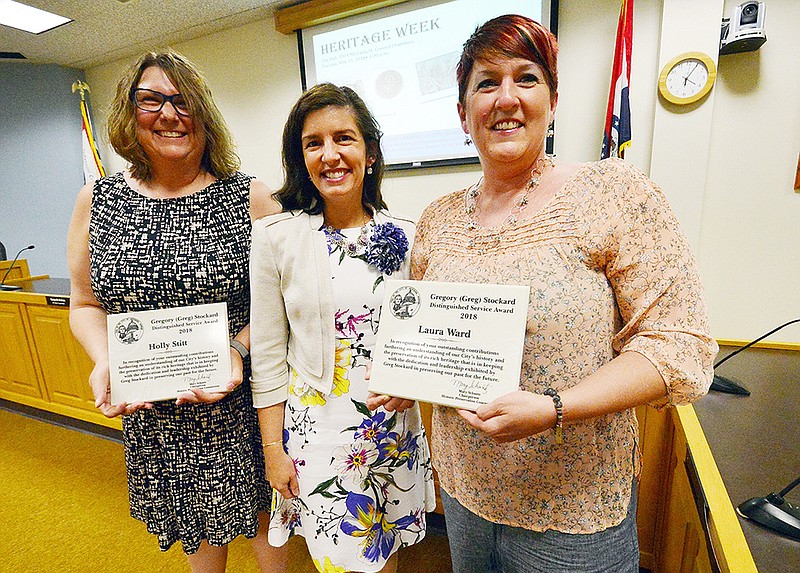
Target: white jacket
[291,303]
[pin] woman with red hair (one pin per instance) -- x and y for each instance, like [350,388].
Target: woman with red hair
[616,319]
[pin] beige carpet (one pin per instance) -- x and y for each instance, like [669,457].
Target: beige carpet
[64,509]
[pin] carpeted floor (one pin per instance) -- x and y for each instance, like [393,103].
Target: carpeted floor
[64,509]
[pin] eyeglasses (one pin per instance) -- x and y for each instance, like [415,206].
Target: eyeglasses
[153,101]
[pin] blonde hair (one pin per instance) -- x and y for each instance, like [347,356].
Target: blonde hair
[219,157]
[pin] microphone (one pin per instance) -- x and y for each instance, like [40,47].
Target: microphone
[774,512]
[3,285]
[729,386]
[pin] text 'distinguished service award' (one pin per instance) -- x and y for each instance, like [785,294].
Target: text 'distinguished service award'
[157,354]
[453,344]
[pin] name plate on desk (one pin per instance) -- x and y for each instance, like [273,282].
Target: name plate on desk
[157,354]
[453,344]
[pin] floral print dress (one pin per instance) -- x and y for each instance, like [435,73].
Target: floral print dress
[365,476]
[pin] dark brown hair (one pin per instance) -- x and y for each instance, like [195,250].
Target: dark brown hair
[510,36]
[298,192]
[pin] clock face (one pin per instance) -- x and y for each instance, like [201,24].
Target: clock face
[687,78]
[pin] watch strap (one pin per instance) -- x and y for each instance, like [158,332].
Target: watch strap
[240,348]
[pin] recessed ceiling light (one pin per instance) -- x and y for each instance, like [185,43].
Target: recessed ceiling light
[28,18]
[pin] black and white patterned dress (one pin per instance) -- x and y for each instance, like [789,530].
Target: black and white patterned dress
[195,471]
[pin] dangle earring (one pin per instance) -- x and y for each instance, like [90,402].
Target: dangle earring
[369,170]
[467,140]
[551,131]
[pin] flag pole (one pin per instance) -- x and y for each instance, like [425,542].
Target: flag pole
[78,85]
[92,165]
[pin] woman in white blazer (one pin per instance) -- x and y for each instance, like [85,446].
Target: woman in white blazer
[355,482]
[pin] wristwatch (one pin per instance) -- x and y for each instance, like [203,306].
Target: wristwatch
[240,348]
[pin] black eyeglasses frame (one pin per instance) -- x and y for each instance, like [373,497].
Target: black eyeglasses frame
[164,99]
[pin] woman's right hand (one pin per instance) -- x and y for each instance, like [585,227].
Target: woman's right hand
[281,473]
[100,382]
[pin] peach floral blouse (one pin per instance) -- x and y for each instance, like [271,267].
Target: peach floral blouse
[610,271]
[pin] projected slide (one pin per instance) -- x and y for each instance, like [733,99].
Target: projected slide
[403,65]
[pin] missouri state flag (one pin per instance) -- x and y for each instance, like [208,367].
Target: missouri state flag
[617,132]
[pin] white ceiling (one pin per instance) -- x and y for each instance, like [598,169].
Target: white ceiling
[107,30]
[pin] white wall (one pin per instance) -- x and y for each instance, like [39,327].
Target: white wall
[747,246]
[255,78]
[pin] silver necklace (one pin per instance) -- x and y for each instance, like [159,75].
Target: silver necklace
[473,194]
[349,247]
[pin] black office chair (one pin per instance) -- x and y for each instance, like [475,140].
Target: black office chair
[3,255]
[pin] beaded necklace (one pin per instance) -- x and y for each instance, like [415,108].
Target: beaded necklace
[349,247]
[473,193]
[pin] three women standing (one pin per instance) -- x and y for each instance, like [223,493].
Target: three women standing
[616,319]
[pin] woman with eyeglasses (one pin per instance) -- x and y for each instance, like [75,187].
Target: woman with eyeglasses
[173,230]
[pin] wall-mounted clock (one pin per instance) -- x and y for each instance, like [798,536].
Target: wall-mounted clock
[687,78]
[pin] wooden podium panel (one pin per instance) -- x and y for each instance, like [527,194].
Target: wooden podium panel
[18,271]
[43,366]
[17,374]
[65,366]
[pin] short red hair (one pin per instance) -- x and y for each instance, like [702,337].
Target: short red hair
[510,36]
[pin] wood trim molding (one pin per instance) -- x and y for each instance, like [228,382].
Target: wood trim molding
[771,345]
[729,541]
[19,280]
[313,12]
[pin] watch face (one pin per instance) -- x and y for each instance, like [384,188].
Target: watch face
[687,78]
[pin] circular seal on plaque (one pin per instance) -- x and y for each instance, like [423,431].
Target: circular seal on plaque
[129,330]
[405,302]
[388,84]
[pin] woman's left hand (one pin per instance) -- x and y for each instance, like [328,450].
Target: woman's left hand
[513,416]
[389,403]
[197,396]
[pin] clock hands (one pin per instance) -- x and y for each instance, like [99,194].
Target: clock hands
[686,77]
